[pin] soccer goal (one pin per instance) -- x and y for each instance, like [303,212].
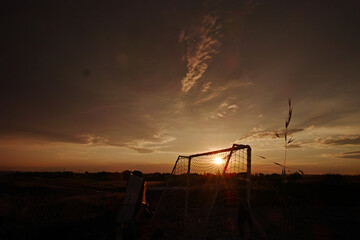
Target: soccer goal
[207,195]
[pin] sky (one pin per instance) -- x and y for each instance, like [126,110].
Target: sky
[116,85]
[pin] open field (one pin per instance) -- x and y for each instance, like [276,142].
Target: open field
[85,206]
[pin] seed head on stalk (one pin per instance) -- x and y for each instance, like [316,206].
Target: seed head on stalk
[286,132]
[287,123]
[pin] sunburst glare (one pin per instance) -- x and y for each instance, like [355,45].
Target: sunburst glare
[218,160]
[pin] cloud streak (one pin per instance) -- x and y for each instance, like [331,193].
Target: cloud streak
[349,155]
[342,140]
[201,43]
[214,92]
[150,145]
[224,109]
[268,134]
[293,146]
[52,136]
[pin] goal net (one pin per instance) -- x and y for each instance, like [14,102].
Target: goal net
[206,195]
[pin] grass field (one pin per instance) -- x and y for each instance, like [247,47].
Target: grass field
[85,206]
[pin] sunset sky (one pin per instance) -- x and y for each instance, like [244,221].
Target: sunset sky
[116,85]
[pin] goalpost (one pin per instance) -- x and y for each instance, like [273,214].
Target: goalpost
[207,195]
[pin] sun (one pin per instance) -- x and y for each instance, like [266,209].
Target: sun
[218,160]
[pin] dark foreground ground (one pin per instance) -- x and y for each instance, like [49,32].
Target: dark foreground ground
[85,206]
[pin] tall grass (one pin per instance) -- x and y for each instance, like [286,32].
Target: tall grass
[287,141]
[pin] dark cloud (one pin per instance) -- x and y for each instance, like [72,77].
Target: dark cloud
[353,152]
[350,155]
[353,156]
[343,140]
[41,135]
[323,116]
[85,73]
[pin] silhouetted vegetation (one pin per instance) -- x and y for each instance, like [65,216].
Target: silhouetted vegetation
[67,205]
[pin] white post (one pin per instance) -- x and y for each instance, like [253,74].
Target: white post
[187,192]
[248,183]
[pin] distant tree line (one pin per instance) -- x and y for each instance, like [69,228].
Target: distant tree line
[102,175]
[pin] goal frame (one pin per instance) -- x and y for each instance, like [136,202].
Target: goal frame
[187,160]
[234,147]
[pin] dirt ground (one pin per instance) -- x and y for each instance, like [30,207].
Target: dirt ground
[85,206]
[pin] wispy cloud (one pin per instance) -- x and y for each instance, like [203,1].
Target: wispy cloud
[256,135]
[157,141]
[214,92]
[224,109]
[291,146]
[201,43]
[206,87]
[93,139]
